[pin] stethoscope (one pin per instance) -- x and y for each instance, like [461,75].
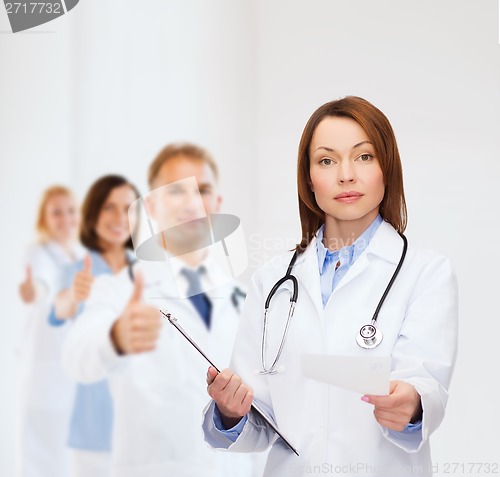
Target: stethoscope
[368,337]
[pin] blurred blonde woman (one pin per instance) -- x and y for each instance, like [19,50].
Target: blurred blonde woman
[45,394]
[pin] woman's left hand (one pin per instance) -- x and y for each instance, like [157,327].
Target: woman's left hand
[401,406]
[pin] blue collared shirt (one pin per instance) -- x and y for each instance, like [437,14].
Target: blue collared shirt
[330,275]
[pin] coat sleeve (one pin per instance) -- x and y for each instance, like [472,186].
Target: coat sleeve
[256,435]
[68,275]
[425,352]
[37,258]
[88,353]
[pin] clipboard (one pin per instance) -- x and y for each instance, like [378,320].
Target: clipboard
[255,407]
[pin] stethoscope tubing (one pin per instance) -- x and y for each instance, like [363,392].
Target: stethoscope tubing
[367,343]
[393,278]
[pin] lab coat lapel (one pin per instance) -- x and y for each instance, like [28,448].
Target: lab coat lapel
[160,283]
[307,272]
[218,295]
[219,298]
[385,244]
[359,266]
[162,290]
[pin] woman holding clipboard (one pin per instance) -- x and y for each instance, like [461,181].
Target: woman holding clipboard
[353,286]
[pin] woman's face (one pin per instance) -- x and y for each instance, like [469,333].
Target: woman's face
[112,227]
[346,177]
[61,218]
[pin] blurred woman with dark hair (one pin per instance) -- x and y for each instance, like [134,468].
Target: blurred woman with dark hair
[105,232]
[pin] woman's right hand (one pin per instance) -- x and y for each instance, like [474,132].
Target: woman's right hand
[232,396]
[82,282]
[66,301]
[27,288]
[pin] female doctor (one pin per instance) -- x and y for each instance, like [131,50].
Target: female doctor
[45,392]
[105,232]
[353,213]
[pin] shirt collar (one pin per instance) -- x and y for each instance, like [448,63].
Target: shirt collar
[99,265]
[352,251]
[177,265]
[60,255]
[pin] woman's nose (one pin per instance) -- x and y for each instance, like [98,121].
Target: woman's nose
[123,217]
[346,173]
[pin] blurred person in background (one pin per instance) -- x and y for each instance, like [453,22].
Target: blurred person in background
[45,393]
[155,376]
[105,233]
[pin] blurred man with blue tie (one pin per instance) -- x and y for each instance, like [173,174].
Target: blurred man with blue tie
[156,378]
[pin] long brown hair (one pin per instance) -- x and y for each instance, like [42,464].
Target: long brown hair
[92,205]
[379,130]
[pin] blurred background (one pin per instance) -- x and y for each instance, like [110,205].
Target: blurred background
[103,88]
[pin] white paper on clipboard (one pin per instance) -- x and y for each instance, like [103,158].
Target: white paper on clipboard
[364,374]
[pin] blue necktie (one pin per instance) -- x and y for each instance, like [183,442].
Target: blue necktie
[199,300]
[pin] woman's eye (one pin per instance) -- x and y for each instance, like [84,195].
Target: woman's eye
[365,157]
[326,161]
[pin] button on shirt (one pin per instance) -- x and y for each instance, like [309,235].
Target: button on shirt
[334,265]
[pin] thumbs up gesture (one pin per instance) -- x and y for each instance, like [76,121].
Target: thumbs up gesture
[82,282]
[138,328]
[27,287]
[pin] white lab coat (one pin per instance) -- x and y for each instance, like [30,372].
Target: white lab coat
[45,392]
[332,429]
[158,396]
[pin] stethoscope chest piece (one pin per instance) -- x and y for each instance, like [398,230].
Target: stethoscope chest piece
[369,336]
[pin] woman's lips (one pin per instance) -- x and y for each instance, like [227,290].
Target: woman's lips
[348,197]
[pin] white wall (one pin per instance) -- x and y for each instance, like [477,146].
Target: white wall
[110,83]
[35,134]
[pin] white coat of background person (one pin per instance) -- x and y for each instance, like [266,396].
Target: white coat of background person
[106,233]
[351,204]
[45,392]
[153,373]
